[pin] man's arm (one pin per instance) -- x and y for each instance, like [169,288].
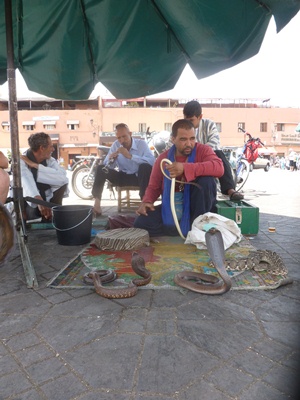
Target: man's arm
[3,161]
[143,154]
[155,186]
[207,163]
[53,174]
[28,183]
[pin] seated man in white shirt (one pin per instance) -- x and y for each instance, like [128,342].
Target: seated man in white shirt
[128,163]
[42,177]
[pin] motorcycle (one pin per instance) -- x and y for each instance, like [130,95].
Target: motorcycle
[241,160]
[157,142]
[84,171]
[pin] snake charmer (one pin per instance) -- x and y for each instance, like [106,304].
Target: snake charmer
[194,167]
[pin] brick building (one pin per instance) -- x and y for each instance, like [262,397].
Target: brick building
[77,127]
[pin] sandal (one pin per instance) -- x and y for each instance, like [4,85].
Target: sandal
[236,196]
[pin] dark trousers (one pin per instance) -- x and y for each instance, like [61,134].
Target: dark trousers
[119,178]
[202,200]
[57,198]
[226,181]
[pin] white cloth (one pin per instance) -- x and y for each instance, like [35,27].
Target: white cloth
[53,174]
[229,229]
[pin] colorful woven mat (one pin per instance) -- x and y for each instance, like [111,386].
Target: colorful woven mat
[164,258]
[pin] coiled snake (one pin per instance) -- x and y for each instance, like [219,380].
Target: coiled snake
[138,266]
[259,260]
[204,283]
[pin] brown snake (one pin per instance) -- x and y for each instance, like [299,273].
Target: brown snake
[259,260]
[138,266]
[204,283]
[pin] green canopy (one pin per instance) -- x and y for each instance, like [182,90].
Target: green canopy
[133,47]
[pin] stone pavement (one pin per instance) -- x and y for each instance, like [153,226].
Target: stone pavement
[73,344]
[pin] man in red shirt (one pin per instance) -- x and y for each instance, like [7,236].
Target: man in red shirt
[192,163]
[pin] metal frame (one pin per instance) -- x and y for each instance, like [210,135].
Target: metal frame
[18,199]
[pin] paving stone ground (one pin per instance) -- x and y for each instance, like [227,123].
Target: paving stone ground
[158,345]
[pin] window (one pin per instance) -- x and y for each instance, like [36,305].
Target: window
[263,127]
[28,125]
[168,126]
[280,127]
[142,127]
[219,126]
[73,125]
[241,125]
[49,125]
[5,126]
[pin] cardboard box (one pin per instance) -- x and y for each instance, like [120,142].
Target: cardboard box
[243,213]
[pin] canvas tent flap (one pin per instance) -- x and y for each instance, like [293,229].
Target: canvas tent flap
[133,47]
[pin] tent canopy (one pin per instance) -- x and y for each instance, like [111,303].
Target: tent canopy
[133,47]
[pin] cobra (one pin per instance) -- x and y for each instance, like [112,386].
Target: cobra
[138,266]
[204,283]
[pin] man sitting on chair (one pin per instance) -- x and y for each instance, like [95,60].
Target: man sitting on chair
[128,163]
[42,177]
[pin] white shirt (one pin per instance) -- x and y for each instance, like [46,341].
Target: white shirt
[53,174]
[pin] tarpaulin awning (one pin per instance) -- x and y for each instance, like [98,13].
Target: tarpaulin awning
[133,47]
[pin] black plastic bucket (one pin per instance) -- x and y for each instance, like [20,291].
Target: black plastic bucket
[73,224]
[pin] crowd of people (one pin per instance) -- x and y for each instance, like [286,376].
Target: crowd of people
[291,162]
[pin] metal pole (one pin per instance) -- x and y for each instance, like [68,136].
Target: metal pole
[13,110]
[15,149]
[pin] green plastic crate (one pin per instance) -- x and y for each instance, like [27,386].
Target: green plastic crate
[243,213]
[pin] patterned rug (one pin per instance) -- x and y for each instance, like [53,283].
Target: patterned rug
[164,258]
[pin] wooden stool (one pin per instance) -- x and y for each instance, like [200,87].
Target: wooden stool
[126,203]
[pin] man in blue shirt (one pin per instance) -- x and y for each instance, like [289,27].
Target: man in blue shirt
[128,163]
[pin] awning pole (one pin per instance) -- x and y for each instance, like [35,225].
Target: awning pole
[13,110]
[15,149]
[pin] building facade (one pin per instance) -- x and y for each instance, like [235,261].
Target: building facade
[78,127]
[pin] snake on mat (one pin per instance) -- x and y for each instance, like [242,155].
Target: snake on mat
[138,266]
[204,283]
[259,260]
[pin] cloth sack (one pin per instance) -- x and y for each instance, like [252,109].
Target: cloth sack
[120,221]
[230,231]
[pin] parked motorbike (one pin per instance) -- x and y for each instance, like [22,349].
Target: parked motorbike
[84,171]
[157,142]
[242,160]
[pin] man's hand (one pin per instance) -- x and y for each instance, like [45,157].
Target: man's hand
[31,164]
[175,169]
[45,211]
[113,156]
[143,207]
[122,150]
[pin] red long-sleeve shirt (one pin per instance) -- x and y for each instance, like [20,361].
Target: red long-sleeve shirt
[207,163]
